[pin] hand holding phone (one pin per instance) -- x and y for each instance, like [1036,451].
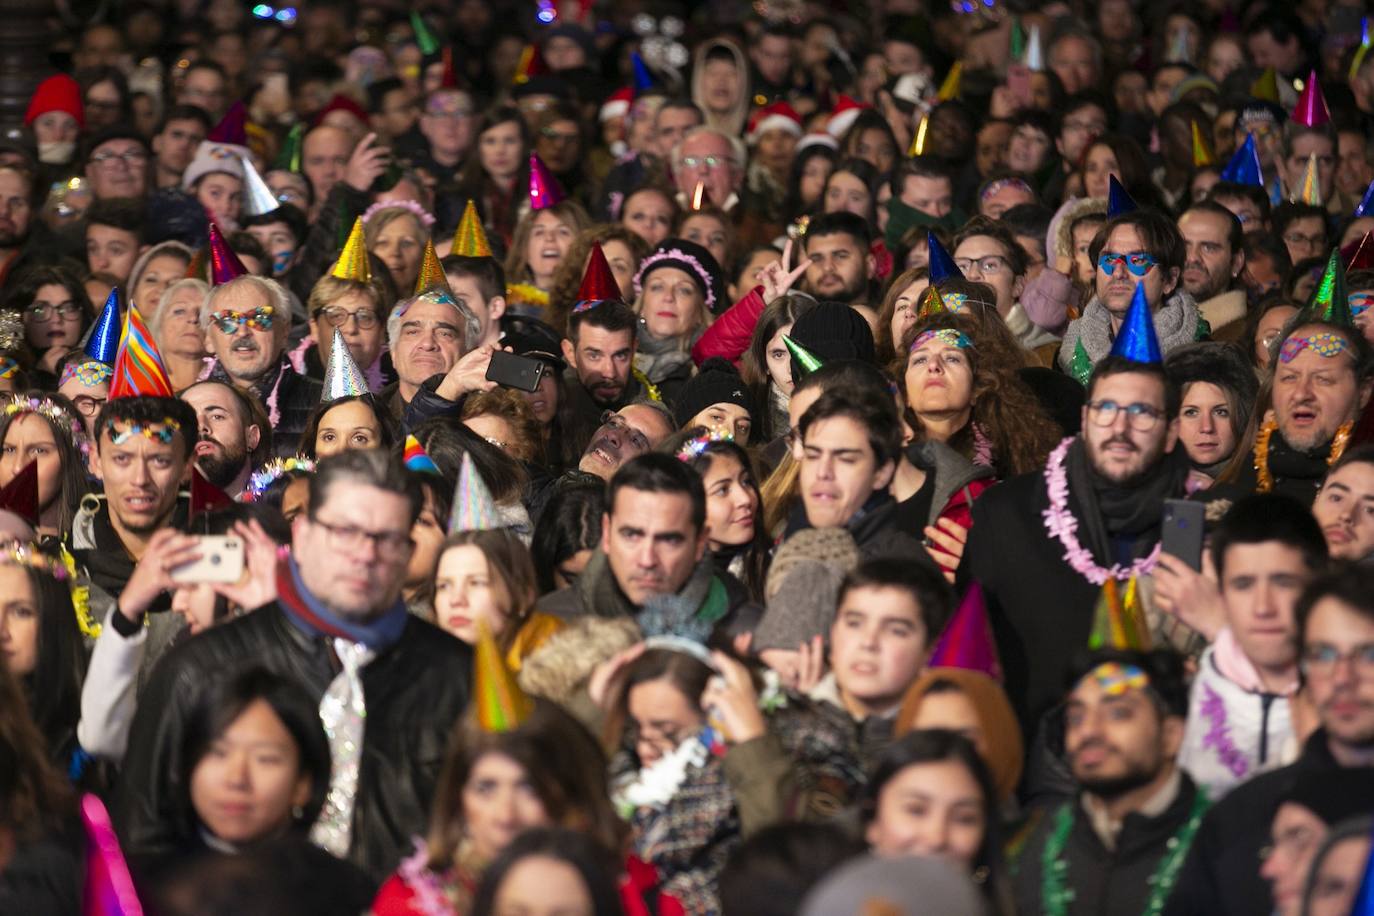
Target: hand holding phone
[1183,530]
[220,560]
[511,371]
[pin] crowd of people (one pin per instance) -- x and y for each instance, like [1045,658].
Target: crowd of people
[604,459]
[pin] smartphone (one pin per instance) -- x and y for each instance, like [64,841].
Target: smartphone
[1183,530]
[511,371]
[221,560]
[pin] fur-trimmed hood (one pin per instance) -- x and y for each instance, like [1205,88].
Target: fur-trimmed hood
[561,666]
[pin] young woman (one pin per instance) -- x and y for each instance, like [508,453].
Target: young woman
[569,530]
[497,178]
[541,241]
[349,422]
[548,869]
[852,188]
[1118,155]
[734,508]
[49,430]
[1265,326]
[676,291]
[649,212]
[898,311]
[870,138]
[767,365]
[55,310]
[155,270]
[811,169]
[176,328]
[427,533]
[396,233]
[1218,388]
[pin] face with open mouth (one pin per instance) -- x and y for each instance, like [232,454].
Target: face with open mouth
[1314,394]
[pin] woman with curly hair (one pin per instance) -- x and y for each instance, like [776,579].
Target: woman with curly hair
[623,248]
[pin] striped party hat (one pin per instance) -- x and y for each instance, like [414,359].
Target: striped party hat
[1119,620]
[138,368]
[473,506]
[416,458]
[501,704]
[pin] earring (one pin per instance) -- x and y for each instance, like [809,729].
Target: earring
[980,874]
[297,812]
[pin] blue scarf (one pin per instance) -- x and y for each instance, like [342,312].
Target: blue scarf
[315,619]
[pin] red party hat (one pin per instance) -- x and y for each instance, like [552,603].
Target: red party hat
[205,495]
[1312,110]
[224,264]
[232,128]
[20,495]
[967,639]
[598,283]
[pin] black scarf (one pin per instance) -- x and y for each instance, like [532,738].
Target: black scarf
[1120,523]
[1288,464]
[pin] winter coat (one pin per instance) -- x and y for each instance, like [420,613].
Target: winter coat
[729,335]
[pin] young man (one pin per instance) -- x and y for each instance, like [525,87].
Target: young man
[233,440]
[837,245]
[1214,257]
[282,235]
[1265,551]
[16,211]
[114,237]
[479,285]
[116,163]
[182,129]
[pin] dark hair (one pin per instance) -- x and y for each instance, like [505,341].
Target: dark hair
[251,413]
[983,225]
[1230,190]
[687,674]
[53,688]
[215,708]
[1132,166]
[241,242]
[35,798]
[1260,518]
[24,289]
[385,424]
[1163,667]
[288,214]
[146,409]
[757,553]
[1030,221]
[473,175]
[1359,454]
[874,410]
[610,315]
[869,176]
[446,440]
[373,467]
[485,272]
[1215,363]
[774,868]
[1360,349]
[656,472]
[1235,232]
[792,204]
[841,223]
[597,866]
[920,580]
[1159,234]
[1290,211]
[123,213]
[184,113]
[73,479]
[1120,365]
[846,373]
[1352,584]
[569,522]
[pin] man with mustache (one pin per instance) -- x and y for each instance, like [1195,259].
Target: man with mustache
[246,322]
[841,263]
[600,352]
[1335,626]
[1214,246]
[1096,507]
[233,439]
[1135,810]
[16,209]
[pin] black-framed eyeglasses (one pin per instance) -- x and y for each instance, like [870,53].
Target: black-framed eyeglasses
[618,423]
[338,316]
[391,545]
[1140,417]
[87,405]
[64,310]
[1322,659]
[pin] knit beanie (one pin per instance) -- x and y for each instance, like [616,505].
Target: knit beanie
[833,330]
[803,587]
[1333,795]
[716,382]
[693,260]
[58,92]
[215,157]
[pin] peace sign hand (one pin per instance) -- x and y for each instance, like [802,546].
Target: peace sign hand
[777,279]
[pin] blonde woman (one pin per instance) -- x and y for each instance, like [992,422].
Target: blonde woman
[678,290]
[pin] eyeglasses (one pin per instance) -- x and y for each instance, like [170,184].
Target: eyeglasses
[618,423]
[987,266]
[1297,238]
[1139,263]
[1140,417]
[709,163]
[64,310]
[458,115]
[391,545]
[1322,660]
[260,319]
[338,316]
[129,157]
[88,405]
[559,136]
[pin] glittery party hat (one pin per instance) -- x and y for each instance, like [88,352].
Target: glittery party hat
[1266,88]
[1119,620]
[20,495]
[953,84]
[103,343]
[431,275]
[1359,255]
[1311,110]
[918,139]
[469,239]
[803,357]
[258,198]
[289,157]
[224,264]
[108,888]
[1366,205]
[473,506]
[544,188]
[232,128]
[448,76]
[416,458]
[1119,202]
[1202,150]
[644,80]
[1081,364]
[932,303]
[967,639]
[598,283]
[1137,340]
[205,495]
[342,377]
[1310,190]
[1035,52]
[352,263]
[942,266]
[1330,302]
[424,36]
[138,368]
[1244,165]
[501,704]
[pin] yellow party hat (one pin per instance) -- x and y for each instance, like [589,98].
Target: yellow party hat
[353,263]
[469,239]
[501,704]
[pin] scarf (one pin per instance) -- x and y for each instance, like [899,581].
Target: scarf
[1120,522]
[1176,323]
[314,618]
[600,594]
[1287,464]
[659,357]
[266,388]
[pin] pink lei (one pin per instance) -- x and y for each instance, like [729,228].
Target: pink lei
[427,887]
[1061,524]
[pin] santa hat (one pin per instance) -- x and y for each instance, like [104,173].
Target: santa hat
[341,102]
[777,116]
[816,139]
[617,106]
[58,92]
[843,117]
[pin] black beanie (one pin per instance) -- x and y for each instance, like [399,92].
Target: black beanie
[716,382]
[693,260]
[833,330]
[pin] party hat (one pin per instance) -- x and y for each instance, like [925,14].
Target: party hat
[918,139]
[804,358]
[1035,52]
[598,283]
[1119,620]
[1137,340]
[431,274]
[107,888]
[448,78]
[1119,202]
[138,368]
[103,343]
[342,377]
[258,198]
[932,303]
[967,639]
[232,128]
[644,80]
[1266,88]
[1310,190]
[289,157]
[1359,255]
[352,263]
[1016,44]
[531,63]
[205,495]
[942,266]
[20,495]
[224,264]
[473,506]
[1081,364]
[1244,165]
[1330,302]
[1202,150]
[1357,61]
[544,188]
[424,37]
[1366,205]
[416,458]
[469,239]
[501,704]
[199,268]
[953,83]
[1311,110]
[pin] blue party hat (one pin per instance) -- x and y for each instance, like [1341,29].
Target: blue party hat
[644,80]
[942,266]
[1118,201]
[1137,340]
[1364,897]
[1366,206]
[103,343]
[1244,167]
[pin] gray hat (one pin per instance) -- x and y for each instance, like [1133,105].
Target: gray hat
[803,587]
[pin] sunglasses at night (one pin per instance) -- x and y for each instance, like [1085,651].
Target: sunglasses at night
[259,319]
[1139,263]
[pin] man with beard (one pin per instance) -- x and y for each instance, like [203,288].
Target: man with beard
[1335,625]
[1214,246]
[1322,381]
[841,263]
[246,322]
[1100,501]
[232,440]
[16,208]
[600,352]
[1110,850]
[631,431]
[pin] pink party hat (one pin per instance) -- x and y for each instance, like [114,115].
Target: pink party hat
[1312,110]
[967,639]
[544,188]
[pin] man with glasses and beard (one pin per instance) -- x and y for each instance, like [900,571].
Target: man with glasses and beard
[232,439]
[1116,847]
[246,322]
